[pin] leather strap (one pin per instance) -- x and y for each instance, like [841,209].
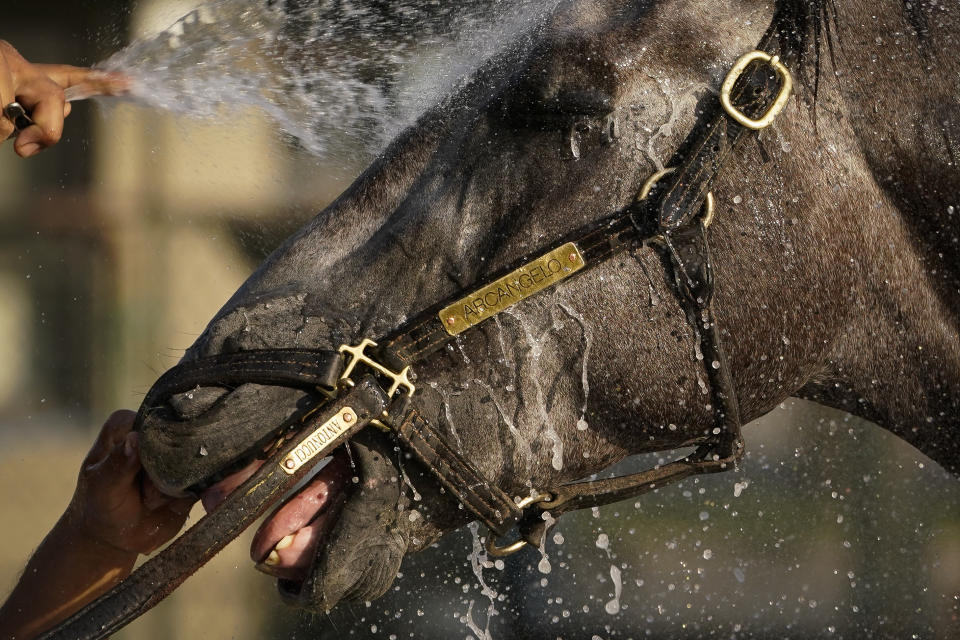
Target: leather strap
[596,493]
[295,368]
[457,474]
[705,152]
[690,257]
[426,334]
[163,573]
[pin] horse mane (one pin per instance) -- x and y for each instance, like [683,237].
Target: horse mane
[806,27]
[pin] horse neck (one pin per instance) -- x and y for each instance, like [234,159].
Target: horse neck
[898,361]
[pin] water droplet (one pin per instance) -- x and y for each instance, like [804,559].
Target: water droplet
[544,565]
[613,606]
[603,541]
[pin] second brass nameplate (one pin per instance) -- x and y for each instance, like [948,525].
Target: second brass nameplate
[323,440]
[493,298]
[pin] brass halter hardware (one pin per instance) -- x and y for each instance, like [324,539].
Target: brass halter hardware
[513,547]
[652,180]
[357,356]
[778,104]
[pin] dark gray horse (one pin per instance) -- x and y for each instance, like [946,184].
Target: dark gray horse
[835,253]
[835,250]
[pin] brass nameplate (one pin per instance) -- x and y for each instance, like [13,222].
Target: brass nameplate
[493,298]
[321,441]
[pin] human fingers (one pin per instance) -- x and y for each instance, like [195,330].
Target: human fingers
[182,506]
[117,474]
[160,526]
[85,82]
[153,498]
[113,431]
[45,99]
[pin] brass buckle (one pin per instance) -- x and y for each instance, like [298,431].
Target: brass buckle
[513,547]
[652,180]
[357,354]
[778,104]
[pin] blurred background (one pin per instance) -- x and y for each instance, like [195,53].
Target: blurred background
[116,248]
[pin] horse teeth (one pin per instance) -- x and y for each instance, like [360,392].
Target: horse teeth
[286,542]
[272,559]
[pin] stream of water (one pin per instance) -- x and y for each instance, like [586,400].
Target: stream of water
[337,76]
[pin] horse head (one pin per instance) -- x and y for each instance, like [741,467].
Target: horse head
[550,137]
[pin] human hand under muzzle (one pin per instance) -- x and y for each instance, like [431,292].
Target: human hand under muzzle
[115,515]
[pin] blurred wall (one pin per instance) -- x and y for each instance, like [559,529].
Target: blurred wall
[119,245]
[116,248]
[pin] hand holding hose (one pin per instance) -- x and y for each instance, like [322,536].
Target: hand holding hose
[33,100]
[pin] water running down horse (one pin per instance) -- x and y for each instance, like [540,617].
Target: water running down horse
[833,245]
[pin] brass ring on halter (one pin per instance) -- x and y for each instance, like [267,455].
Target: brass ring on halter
[786,86]
[513,547]
[652,180]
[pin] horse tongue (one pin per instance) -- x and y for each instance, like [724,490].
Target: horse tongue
[302,517]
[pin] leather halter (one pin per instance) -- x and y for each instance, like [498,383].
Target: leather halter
[667,217]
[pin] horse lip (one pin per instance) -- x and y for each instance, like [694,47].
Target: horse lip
[296,593]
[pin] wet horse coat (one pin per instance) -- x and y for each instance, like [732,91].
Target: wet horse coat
[828,286]
[834,246]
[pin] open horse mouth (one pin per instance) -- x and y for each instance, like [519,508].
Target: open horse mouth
[225,442]
[290,538]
